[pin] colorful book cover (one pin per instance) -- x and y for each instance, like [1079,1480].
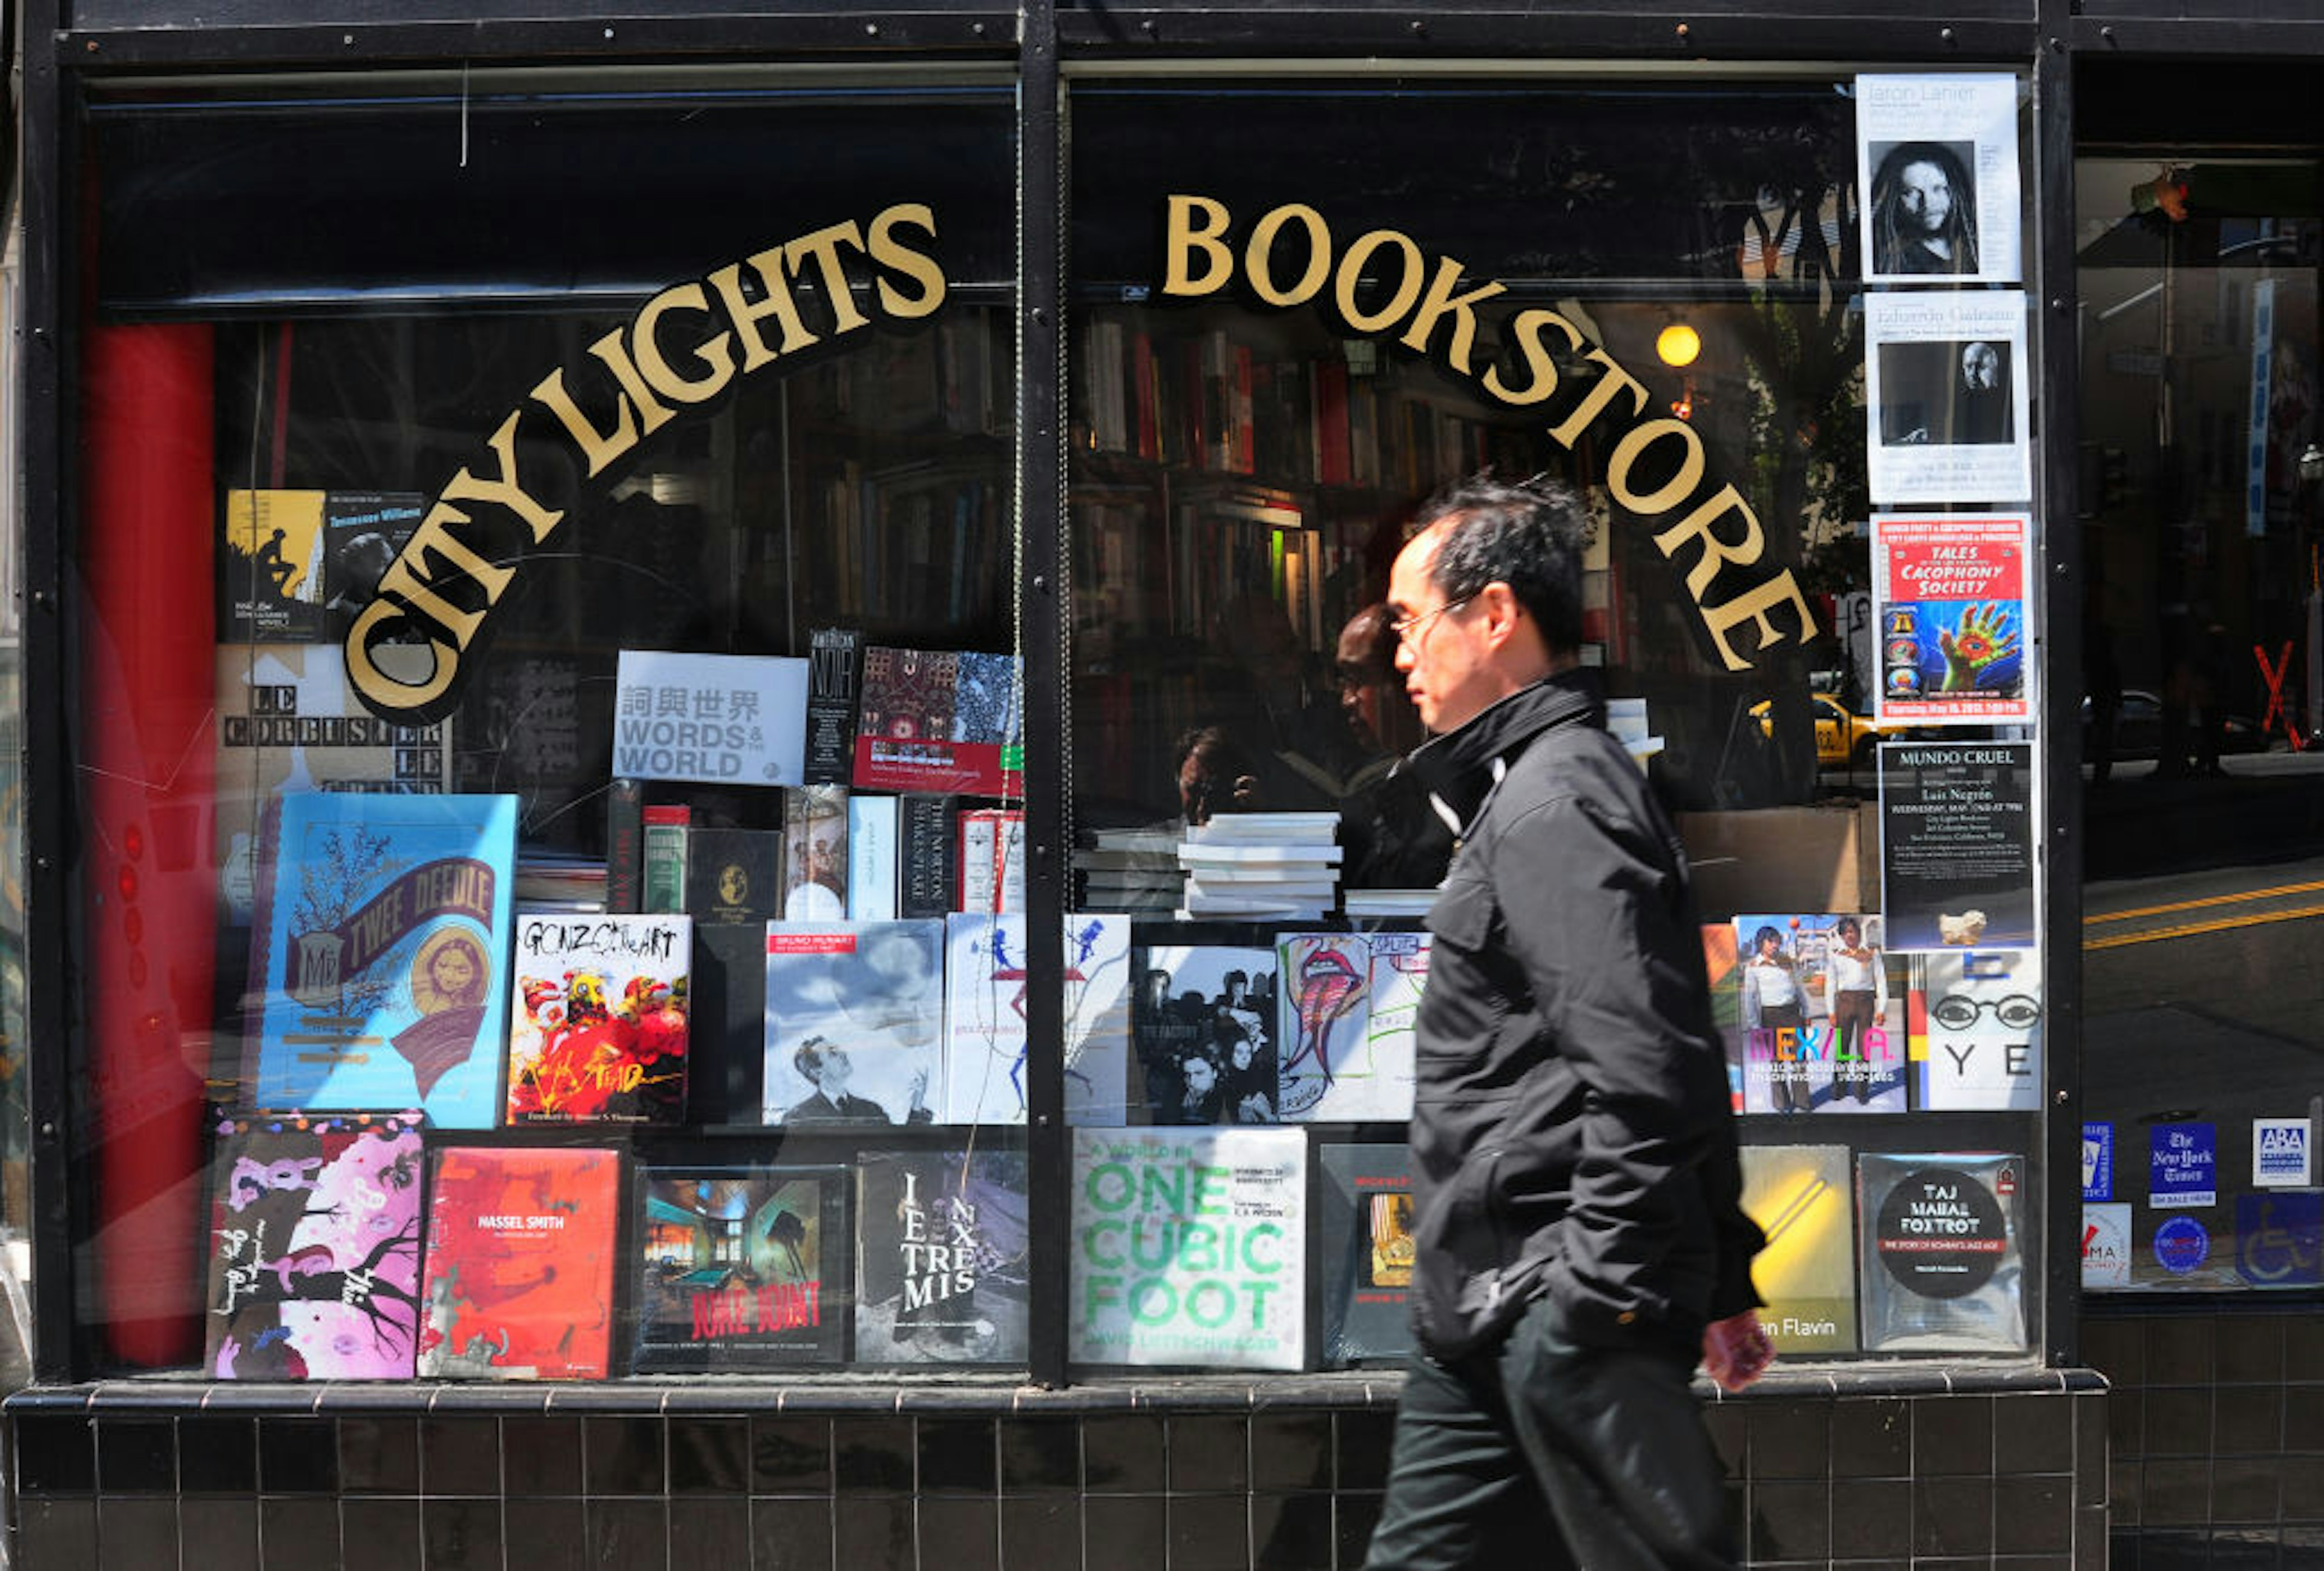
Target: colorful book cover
[984,1018]
[943,1273]
[1819,1008]
[1800,1196]
[1364,1210]
[914,734]
[854,1030]
[1347,1020]
[313,1266]
[271,583]
[736,1268]
[1943,1262]
[1189,1248]
[815,855]
[1976,1031]
[1206,1034]
[379,955]
[1719,964]
[599,1030]
[519,1280]
[1379,1087]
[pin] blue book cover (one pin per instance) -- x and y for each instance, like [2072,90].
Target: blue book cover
[380,955]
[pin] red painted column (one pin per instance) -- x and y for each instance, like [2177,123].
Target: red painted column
[147,741]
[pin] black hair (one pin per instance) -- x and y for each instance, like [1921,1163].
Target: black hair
[1528,535]
[809,1060]
[1766,932]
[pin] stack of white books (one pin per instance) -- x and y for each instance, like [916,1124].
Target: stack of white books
[1261,866]
[1131,870]
[1368,904]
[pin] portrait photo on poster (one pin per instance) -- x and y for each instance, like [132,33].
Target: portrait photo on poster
[1937,172]
[1947,410]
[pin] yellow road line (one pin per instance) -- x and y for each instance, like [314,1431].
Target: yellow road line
[2211,899]
[2120,940]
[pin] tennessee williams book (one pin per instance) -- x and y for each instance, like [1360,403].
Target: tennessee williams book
[379,955]
[741,1267]
[1364,1210]
[314,1249]
[942,1272]
[599,1030]
[520,1279]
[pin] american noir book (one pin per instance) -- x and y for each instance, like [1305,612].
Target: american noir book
[314,1249]
[599,1030]
[942,1272]
[379,952]
[736,1268]
[519,1277]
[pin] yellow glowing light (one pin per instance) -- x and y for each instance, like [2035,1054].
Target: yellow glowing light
[1678,344]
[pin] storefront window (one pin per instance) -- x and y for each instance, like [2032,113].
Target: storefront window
[2202,500]
[1302,306]
[547,629]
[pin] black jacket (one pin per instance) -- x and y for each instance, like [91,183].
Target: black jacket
[1571,1131]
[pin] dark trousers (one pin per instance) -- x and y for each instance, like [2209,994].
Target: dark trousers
[1542,1454]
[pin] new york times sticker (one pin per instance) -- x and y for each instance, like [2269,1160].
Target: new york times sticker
[2180,1245]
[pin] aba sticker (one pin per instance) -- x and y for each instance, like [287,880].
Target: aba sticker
[2180,1245]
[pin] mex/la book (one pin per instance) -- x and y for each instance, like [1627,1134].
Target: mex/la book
[314,1249]
[984,1018]
[599,1030]
[520,1279]
[854,1017]
[1820,1013]
[741,1267]
[1364,1215]
[942,1271]
[379,955]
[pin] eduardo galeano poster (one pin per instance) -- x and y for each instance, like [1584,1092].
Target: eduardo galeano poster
[1949,602]
[1947,380]
[1937,163]
[1957,844]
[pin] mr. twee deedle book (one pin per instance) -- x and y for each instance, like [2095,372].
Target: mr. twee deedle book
[942,1274]
[379,955]
[741,1267]
[520,1283]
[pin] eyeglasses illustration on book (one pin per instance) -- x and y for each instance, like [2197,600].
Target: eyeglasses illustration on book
[1957,1012]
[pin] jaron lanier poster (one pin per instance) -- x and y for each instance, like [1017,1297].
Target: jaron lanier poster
[1943,1268]
[1957,844]
[722,719]
[1948,381]
[1937,165]
[1976,1031]
[1950,619]
[1189,1247]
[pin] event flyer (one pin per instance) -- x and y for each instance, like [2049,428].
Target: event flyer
[1949,600]
[1943,1267]
[1937,161]
[1947,397]
[1957,844]
[1189,1247]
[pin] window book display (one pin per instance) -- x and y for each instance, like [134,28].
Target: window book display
[1819,1015]
[1204,1025]
[854,1022]
[735,1268]
[1364,1215]
[1349,1005]
[599,1029]
[520,1267]
[943,1270]
[379,955]
[984,1018]
[1801,1197]
[1944,1266]
[314,1249]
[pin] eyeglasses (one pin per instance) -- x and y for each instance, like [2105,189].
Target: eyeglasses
[1410,628]
[1955,1013]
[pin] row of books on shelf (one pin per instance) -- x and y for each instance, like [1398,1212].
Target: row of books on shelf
[358,1248]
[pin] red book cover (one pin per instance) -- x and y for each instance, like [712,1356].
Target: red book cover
[520,1269]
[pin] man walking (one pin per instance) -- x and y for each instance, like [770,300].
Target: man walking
[1579,1239]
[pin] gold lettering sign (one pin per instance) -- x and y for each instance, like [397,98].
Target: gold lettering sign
[678,350]
[1426,311]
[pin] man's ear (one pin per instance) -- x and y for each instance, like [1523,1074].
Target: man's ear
[1498,603]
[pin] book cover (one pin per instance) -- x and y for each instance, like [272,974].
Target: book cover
[942,1271]
[726,1025]
[985,1038]
[833,656]
[1821,1013]
[1720,965]
[1364,1213]
[1206,1034]
[1326,1009]
[663,859]
[625,829]
[600,1026]
[1976,1022]
[991,876]
[854,1022]
[314,1250]
[873,828]
[988,700]
[364,531]
[520,1279]
[925,856]
[733,875]
[1943,1264]
[270,578]
[736,1268]
[379,955]
[1801,1197]
[815,855]
[1189,1248]
[718,720]
[907,724]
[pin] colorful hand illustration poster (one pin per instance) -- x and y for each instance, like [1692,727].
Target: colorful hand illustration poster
[1949,596]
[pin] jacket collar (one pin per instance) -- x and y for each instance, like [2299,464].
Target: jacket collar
[1461,767]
